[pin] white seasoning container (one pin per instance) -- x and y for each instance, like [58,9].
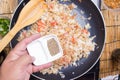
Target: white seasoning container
[45,49]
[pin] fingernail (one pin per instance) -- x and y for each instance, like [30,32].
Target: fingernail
[33,58]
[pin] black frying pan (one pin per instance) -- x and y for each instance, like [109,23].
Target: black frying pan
[97,28]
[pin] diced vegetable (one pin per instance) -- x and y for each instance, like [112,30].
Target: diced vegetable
[38,29]
[54,23]
[85,31]
[40,25]
[4,26]
[73,40]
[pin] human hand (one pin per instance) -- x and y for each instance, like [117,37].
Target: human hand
[18,64]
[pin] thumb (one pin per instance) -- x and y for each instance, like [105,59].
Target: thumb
[25,60]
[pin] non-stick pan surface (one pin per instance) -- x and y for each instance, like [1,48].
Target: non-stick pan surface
[97,28]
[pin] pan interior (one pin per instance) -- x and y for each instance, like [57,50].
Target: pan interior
[97,28]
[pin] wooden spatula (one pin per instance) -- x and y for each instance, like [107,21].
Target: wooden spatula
[29,14]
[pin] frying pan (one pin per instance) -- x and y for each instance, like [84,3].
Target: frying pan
[97,28]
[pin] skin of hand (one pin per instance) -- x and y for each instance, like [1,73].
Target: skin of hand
[18,63]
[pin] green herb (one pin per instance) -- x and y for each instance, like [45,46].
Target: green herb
[4,26]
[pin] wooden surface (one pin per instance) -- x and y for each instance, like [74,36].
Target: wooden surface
[112,21]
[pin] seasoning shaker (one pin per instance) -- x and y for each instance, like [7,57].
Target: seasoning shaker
[45,49]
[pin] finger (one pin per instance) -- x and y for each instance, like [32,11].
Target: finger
[20,48]
[13,55]
[23,44]
[41,67]
[25,60]
[27,77]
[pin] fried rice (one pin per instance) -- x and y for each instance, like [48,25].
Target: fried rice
[74,39]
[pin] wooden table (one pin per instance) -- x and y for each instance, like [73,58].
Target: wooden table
[112,23]
[7,8]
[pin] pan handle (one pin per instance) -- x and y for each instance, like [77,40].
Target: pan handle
[97,3]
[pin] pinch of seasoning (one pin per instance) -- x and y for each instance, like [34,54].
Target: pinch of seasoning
[53,46]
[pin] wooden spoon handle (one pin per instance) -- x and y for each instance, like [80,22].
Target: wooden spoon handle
[30,13]
[30,6]
[6,39]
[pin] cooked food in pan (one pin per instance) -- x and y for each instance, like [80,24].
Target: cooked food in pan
[74,38]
